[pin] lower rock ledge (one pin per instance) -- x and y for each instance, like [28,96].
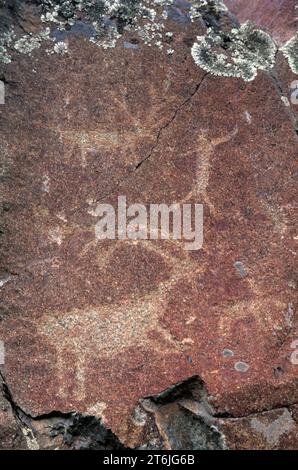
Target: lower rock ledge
[179,418]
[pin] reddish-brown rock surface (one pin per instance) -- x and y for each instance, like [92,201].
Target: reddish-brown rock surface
[96,327]
[279,17]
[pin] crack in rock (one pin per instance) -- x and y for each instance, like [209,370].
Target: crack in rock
[159,133]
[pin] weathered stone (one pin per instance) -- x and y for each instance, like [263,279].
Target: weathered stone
[280,18]
[11,436]
[93,327]
[270,430]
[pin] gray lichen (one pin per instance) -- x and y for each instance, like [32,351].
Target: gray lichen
[6,40]
[109,19]
[116,17]
[290,50]
[61,48]
[27,44]
[235,51]
[226,49]
[210,11]
[238,53]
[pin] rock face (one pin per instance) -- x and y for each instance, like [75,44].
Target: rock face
[279,17]
[141,343]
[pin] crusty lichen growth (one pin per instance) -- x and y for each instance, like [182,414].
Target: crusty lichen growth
[238,53]
[6,40]
[226,49]
[212,9]
[61,48]
[27,44]
[290,50]
[108,18]
[111,18]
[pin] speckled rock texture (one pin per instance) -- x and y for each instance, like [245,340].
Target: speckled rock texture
[140,343]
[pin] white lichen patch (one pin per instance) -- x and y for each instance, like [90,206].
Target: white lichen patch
[108,18]
[24,44]
[109,40]
[238,53]
[290,51]
[163,2]
[151,32]
[6,40]
[145,17]
[199,7]
[61,47]
[27,44]
[285,101]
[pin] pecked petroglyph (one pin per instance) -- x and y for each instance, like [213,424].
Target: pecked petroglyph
[107,330]
[206,147]
[92,142]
